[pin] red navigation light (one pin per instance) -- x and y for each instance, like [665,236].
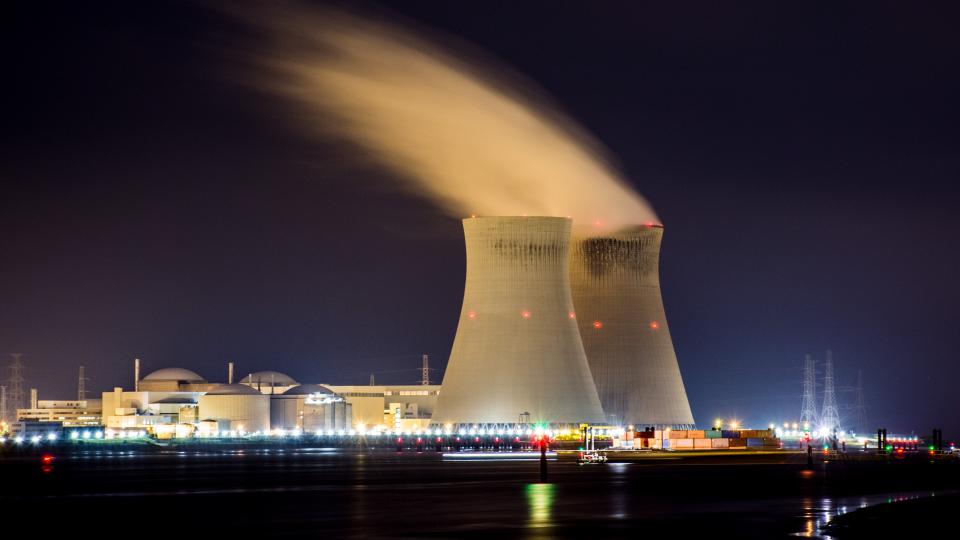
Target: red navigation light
[525,314]
[572,315]
[472,314]
[46,459]
[439,439]
[649,224]
[477,439]
[597,324]
[654,325]
[399,440]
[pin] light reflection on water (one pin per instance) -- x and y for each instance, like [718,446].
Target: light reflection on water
[817,514]
[540,500]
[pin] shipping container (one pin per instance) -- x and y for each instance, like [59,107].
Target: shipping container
[771,441]
[702,443]
[729,434]
[736,442]
[695,434]
[678,434]
[630,435]
[719,443]
[752,441]
[681,443]
[712,434]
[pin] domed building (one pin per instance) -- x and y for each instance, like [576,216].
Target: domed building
[269,382]
[311,408]
[235,407]
[173,379]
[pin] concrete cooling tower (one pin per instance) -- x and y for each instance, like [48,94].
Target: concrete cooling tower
[517,356]
[615,280]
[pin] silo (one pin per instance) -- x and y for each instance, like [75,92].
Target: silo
[517,355]
[615,281]
[243,407]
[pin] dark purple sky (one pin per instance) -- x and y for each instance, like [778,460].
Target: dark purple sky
[804,161]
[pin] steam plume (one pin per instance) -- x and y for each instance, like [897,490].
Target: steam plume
[474,139]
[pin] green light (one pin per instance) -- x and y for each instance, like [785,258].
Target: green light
[825,447]
[889,448]
[931,448]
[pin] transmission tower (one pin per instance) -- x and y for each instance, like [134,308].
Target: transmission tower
[425,372]
[81,386]
[829,413]
[15,384]
[808,409]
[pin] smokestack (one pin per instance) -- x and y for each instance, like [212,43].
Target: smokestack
[517,347]
[615,282]
[33,398]
[229,372]
[136,374]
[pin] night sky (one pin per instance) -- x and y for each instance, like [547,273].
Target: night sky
[804,161]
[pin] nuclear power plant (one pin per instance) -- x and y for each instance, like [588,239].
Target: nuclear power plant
[615,283]
[517,356]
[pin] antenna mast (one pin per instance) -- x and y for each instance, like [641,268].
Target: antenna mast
[425,372]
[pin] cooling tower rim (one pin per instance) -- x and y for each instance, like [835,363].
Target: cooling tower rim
[592,231]
[517,218]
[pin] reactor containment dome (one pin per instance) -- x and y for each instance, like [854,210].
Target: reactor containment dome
[517,356]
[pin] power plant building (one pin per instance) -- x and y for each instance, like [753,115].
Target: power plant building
[235,407]
[310,408]
[517,356]
[615,281]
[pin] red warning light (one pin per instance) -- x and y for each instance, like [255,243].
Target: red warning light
[572,315]
[654,325]
[472,314]
[597,324]
[525,314]
[47,459]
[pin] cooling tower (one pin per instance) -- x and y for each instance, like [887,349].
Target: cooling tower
[615,280]
[517,356]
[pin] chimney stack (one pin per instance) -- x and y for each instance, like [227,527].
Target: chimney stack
[33,398]
[136,374]
[229,372]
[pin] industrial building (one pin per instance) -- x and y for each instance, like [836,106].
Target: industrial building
[310,408]
[269,382]
[615,282]
[235,407]
[401,407]
[166,396]
[517,356]
[67,413]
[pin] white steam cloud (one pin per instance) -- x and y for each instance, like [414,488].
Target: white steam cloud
[473,139]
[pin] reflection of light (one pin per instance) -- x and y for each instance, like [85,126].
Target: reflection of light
[540,501]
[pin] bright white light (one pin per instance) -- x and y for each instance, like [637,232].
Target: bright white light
[18,439]
[98,435]
[35,439]
[74,435]
[86,434]
[341,433]
[51,436]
